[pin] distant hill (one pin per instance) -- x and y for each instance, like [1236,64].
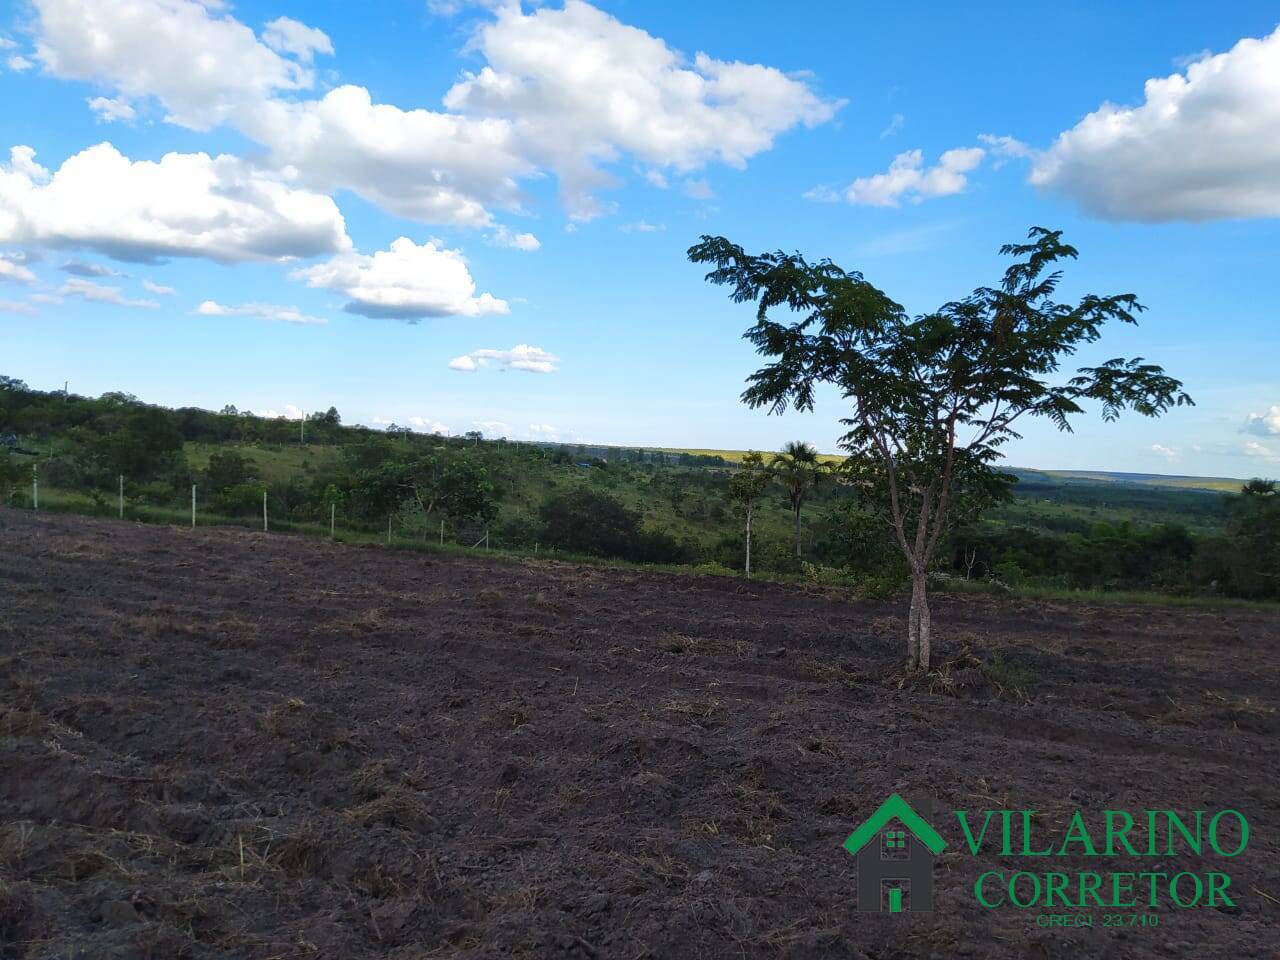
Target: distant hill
[1214,484]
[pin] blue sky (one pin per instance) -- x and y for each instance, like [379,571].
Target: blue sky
[205,202]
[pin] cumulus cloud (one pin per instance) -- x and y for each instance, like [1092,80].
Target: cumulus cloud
[159,289]
[1252,448]
[18,307]
[1204,144]
[1160,450]
[18,63]
[908,179]
[99,293]
[13,271]
[184,205]
[427,425]
[492,428]
[581,87]
[290,412]
[81,268]
[568,90]
[288,36]
[503,237]
[1266,424]
[642,226]
[262,311]
[111,109]
[520,357]
[407,281]
[201,63]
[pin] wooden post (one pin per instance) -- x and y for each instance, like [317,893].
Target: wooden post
[333,511]
[122,496]
[388,530]
[442,533]
[193,506]
[35,486]
[302,428]
[486,539]
[264,511]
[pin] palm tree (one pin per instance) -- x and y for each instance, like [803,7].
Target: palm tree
[800,470]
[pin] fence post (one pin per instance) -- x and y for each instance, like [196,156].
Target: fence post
[35,486]
[486,539]
[264,511]
[193,506]
[442,533]
[122,496]
[388,530]
[333,511]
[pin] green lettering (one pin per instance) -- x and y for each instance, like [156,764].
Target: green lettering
[1013,889]
[977,888]
[974,845]
[1218,883]
[1076,832]
[1194,843]
[1213,833]
[1089,883]
[1026,837]
[1056,884]
[1173,890]
[1122,884]
[1122,834]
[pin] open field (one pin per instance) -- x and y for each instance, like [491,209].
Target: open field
[218,743]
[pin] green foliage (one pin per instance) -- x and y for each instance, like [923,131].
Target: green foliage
[588,521]
[228,468]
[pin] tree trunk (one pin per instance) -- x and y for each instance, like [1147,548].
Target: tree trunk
[913,625]
[748,541]
[922,615]
[797,512]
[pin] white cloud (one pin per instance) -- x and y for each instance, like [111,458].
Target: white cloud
[15,272]
[290,412]
[159,289]
[407,281]
[15,306]
[19,63]
[1005,148]
[1252,448]
[503,237]
[698,189]
[7,44]
[564,90]
[1169,453]
[642,226]
[492,428]
[1203,145]
[656,178]
[110,109]
[81,268]
[185,205]
[908,178]
[98,293]
[582,87]
[464,363]
[1266,424]
[895,124]
[284,35]
[262,311]
[425,165]
[520,357]
[427,425]
[202,64]
[543,431]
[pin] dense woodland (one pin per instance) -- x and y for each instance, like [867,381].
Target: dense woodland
[639,505]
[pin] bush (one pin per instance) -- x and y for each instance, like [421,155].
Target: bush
[588,521]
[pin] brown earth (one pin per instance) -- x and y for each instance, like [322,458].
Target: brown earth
[226,744]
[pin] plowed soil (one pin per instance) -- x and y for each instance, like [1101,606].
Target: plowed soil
[217,743]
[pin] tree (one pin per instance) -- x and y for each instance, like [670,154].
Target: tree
[589,521]
[747,486]
[934,397]
[800,470]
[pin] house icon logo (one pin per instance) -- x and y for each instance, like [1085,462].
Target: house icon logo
[895,848]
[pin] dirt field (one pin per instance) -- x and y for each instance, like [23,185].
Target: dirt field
[226,744]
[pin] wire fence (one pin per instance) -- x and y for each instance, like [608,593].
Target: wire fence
[408,526]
